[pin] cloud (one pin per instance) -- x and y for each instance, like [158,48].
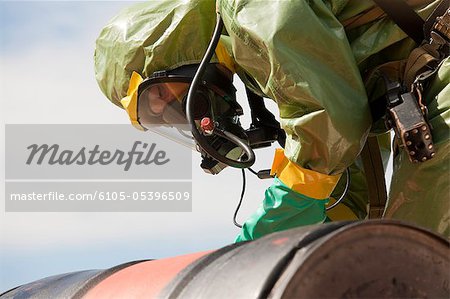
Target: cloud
[26,24]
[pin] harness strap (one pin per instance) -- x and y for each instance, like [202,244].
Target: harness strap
[374,171]
[375,13]
[419,61]
[405,17]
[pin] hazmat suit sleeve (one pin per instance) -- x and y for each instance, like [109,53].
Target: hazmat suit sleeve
[298,54]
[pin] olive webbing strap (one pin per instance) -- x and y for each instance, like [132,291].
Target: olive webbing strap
[376,13]
[405,18]
[374,172]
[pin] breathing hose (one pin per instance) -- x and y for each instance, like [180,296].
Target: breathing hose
[201,140]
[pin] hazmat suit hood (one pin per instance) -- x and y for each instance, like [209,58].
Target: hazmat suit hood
[148,37]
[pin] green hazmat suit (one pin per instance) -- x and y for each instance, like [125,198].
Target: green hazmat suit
[151,36]
[299,54]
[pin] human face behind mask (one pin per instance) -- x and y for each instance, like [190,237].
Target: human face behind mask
[160,97]
[161,94]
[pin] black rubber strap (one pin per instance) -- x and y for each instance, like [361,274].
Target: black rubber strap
[405,18]
[260,114]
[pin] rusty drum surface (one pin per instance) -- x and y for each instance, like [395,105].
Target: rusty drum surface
[366,259]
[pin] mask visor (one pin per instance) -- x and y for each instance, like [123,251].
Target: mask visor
[160,110]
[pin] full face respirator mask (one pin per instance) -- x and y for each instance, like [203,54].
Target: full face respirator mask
[195,105]
[162,101]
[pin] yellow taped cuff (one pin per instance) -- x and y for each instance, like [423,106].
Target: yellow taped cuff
[224,58]
[130,102]
[307,182]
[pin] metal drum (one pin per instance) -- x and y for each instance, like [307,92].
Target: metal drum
[368,259]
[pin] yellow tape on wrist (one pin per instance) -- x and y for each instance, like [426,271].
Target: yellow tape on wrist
[130,102]
[307,182]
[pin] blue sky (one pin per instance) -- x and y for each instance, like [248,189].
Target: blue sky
[26,24]
[46,76]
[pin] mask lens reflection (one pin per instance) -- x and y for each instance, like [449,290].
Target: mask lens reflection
[158,96]
[158,100]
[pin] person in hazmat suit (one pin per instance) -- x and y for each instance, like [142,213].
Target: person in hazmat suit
[320,62]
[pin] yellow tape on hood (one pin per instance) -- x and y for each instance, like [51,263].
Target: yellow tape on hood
[130,102]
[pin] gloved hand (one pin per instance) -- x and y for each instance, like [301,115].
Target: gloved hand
[297,197]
